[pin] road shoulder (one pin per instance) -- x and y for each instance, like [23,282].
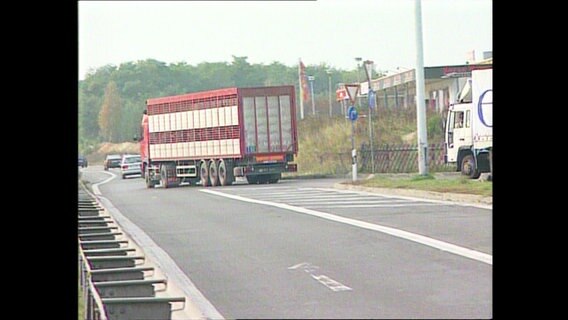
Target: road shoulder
[431,195]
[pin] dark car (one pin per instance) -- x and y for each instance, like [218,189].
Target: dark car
[112,161]
[83,163]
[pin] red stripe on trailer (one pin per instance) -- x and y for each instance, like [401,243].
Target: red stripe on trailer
[191,135]
[193,96]
[189,104]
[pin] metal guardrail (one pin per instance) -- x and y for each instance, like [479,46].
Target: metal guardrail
[114,283]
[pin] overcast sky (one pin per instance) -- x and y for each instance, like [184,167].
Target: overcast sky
[324,31]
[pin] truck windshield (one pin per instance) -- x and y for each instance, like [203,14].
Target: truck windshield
[465,93]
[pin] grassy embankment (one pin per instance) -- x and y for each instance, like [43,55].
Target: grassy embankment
[325,143]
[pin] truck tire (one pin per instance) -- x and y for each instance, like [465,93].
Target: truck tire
[468,167]
[213,173]
[204,173]
[225,173]
[149,183]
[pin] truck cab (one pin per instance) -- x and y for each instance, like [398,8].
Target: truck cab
[469,126]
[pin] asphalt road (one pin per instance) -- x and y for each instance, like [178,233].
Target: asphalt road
[300,249]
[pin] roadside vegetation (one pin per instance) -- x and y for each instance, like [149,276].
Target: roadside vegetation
[325,143]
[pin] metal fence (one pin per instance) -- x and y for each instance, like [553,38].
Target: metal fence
[114,281]
[393,158]
[402,158]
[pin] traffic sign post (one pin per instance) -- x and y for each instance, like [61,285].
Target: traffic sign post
[352,90]
[352,113]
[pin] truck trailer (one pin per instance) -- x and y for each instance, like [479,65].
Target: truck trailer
[212,137]
[469,126]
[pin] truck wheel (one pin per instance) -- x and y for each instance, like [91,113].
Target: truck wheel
[225,173]
[204,173]
[468,167]
[149,183]
[164,176]
[213,173]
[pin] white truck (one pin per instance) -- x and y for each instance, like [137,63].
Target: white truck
[469,126]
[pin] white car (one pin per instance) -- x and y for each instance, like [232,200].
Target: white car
[131,164]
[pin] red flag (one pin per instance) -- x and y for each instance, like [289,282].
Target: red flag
[304,82]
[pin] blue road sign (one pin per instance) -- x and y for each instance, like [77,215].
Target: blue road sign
[372,99]
[352,112]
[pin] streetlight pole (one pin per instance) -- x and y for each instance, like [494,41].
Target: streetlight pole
[420,105]
[358,59]
[370,95]
[329,78]
[311,80]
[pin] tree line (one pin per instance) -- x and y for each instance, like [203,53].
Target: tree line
[112,98]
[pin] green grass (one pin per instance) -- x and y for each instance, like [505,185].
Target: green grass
[431,183]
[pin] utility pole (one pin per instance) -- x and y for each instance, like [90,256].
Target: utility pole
[420,105]
[311,80]
[329,78]
[371,99]
[301,81]
[358,59]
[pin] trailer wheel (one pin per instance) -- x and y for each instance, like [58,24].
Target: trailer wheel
[204,173]
[213,173]
[225,173]
[468,167]
[149,183]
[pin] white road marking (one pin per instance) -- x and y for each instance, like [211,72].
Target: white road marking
[96,190]
[445,202]
[159,256]
[345,201]
[296,266]
[394,205]
[289,194]
[258,188]
[444,246]
[312,196]
[323,279]
[330,283]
